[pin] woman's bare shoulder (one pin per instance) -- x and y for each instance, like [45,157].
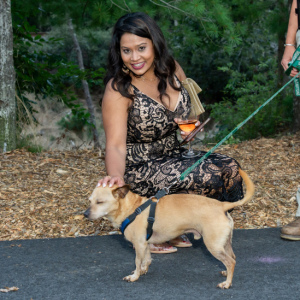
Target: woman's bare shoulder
[112,95]
[109,87]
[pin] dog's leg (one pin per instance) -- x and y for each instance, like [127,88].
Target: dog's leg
[221,251]
[147,261]
[229,263]
[140,252]
[229,251]
[228,247]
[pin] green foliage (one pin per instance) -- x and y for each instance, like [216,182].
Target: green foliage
[28,144]
[76,121]
[251,77]
[94,44]
[201,55]
[213,18]
[48,74]
[248,95]
[203,35]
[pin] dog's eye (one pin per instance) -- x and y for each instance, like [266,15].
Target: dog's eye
[99,202]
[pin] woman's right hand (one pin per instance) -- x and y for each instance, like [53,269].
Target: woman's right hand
[110,181]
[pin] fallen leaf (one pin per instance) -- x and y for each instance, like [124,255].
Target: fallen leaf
[62,172]
[9,289]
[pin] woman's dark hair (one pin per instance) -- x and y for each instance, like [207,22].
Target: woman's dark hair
[141,25]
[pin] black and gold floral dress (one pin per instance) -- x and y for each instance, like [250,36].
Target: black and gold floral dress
[154,160]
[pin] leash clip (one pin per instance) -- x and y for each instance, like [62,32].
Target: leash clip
[167,189]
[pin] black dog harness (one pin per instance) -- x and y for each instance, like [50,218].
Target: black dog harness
[142,207]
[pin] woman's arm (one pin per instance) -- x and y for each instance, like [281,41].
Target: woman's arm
[290,39]
[114,114]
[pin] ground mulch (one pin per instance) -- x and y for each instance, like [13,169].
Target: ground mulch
[44,195]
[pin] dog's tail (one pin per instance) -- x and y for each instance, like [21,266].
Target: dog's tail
[249,192]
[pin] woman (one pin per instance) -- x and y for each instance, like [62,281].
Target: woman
[142,99]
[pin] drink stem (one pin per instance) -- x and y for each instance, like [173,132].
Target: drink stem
[190,148]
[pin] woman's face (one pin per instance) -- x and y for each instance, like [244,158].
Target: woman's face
[137,53]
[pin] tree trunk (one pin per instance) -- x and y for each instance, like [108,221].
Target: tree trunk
[85,85]
[7,80]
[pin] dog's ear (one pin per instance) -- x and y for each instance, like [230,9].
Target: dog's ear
[121,192]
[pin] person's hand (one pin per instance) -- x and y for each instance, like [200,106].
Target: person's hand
[110,181]
[183,133]
[287,57]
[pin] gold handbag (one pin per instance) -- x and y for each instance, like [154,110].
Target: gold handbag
[194,89]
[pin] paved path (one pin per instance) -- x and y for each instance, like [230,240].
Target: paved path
[93,267]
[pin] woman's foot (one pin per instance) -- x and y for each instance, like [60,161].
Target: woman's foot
[181,242]
[162,248]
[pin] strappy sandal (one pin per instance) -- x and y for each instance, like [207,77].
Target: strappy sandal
[181,242]
[162,248]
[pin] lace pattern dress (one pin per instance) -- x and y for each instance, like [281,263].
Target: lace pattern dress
[154,160]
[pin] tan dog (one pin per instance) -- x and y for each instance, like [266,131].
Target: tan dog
[175,215]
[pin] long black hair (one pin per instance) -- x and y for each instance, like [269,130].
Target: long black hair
[141,25]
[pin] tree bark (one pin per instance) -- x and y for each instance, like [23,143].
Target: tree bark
[85,85]
[7,80]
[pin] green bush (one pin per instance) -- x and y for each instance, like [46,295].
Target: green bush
[75,121]
[244,96]
[28,144]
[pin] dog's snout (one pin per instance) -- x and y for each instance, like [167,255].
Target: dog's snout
[87,213]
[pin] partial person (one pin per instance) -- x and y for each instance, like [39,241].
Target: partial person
[291,231]
[142,99]
[291,39]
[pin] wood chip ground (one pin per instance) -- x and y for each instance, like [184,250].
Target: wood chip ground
[44,195]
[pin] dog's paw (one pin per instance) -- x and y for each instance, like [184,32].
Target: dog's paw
[144,270]
[131,278]
[223,273]
[224,285]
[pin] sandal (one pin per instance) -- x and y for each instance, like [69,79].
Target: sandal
[162,248]
[181,242]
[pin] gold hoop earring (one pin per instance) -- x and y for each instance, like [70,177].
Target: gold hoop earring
[125,69]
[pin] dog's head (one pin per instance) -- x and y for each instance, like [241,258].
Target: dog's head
[105,200]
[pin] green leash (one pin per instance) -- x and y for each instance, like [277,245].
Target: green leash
[295,63]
